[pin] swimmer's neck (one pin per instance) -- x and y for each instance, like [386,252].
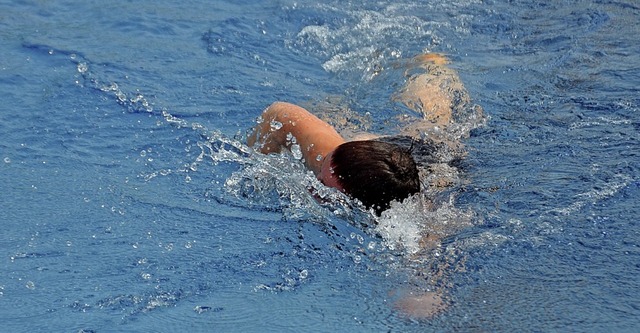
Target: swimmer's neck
[327,175]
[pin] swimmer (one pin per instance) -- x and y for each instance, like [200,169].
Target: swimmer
[371,170]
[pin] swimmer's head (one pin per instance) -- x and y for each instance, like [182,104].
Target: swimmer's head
[373,172]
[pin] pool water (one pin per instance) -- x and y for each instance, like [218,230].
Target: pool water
[130,202]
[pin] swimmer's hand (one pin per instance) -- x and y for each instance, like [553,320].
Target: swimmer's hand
[421,306]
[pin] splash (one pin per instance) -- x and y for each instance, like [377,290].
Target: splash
[282,183]
[362,40]
[419,224]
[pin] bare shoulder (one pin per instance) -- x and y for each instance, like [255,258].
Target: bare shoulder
[283,125]
[284,110]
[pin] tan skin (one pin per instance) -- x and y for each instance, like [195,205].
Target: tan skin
[315,137]
[317,140]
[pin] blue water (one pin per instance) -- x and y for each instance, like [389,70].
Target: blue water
[130,203]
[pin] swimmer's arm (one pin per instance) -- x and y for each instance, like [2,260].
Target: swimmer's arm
[281,122]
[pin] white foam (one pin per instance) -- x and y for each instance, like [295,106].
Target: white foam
[417,224]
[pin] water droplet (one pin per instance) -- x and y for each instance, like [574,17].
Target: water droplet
[296,152]
[30,285]
[291,139]
[275,125]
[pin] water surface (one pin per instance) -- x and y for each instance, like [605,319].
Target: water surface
[130,202]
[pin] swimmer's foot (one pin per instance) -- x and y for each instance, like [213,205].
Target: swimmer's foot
[427,90]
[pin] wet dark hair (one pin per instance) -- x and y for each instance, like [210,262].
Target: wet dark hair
[375,172]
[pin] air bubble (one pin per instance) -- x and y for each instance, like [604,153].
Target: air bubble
[82,67]
[7,160]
